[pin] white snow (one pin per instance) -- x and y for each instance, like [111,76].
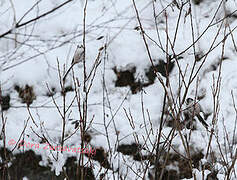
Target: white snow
[56,36]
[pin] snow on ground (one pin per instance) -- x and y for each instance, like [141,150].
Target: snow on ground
[56,36]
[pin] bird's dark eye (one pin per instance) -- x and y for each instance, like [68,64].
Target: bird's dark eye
[189,100]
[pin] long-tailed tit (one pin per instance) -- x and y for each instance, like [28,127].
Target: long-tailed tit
[78,57]
[194,109]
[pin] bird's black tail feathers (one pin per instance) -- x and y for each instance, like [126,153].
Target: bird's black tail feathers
[202,121]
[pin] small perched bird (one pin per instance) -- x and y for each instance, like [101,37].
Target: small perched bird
[194,109]
[78,57]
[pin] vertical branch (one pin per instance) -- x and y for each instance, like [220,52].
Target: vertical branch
[63,114]
[84,45]
[216,91]
[85,95]
[14,21]
[3,136]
